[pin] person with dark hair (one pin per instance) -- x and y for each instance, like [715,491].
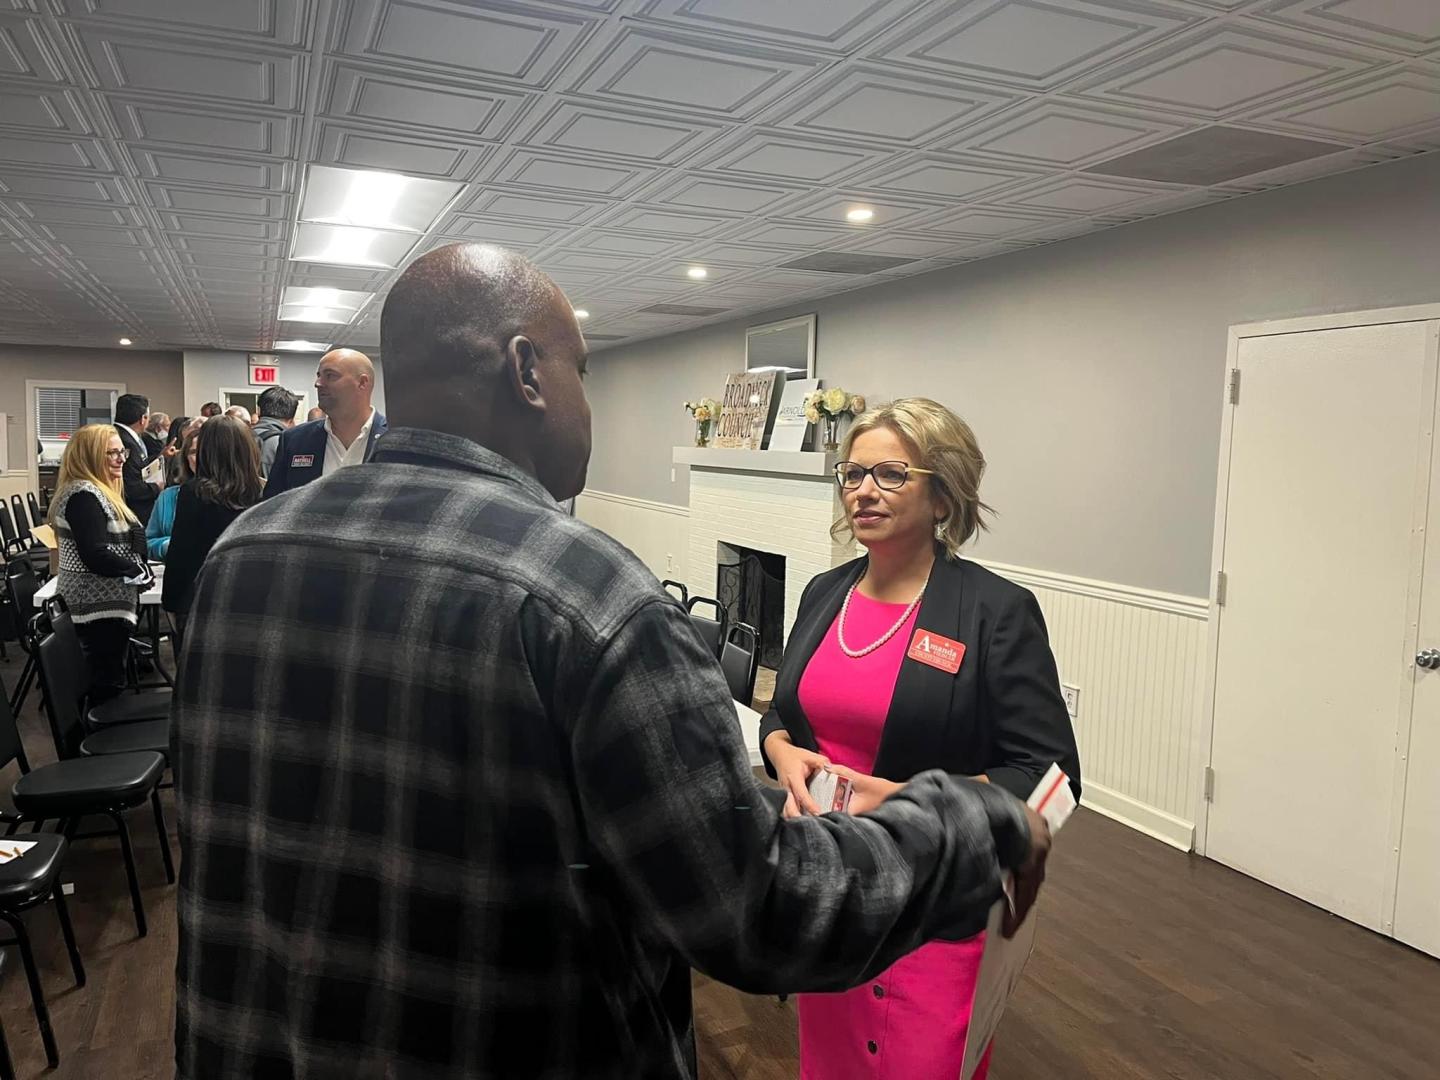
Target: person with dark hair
[162,518]
[462,792]
[211,408]
[226,483]
[344,383]
[131,416]
[277,415]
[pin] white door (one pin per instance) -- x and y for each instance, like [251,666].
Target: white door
[1329,478]
[1417,894]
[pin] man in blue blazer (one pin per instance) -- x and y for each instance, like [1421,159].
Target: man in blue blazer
[344,383]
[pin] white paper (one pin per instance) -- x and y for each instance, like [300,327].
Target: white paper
[790,423]
[13,849]
[154,473]
[830,792]
[1003,962]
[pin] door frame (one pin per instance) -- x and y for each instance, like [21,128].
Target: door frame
[32,467]
[1210,673]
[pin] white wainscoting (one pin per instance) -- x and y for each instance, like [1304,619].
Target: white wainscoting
[1136,655]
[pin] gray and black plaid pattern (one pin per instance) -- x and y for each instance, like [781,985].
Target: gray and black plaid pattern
[462,795]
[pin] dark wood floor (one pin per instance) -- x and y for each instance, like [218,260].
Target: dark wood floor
[1149,964]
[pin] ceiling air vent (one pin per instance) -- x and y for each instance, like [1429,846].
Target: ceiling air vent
[1212,156]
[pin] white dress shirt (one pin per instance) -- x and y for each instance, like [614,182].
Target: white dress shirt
[337,456]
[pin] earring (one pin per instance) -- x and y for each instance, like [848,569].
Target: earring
[940,528]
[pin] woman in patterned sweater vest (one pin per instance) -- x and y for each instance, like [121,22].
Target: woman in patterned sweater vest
[102,553]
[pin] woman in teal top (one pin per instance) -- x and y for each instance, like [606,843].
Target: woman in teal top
[162,517]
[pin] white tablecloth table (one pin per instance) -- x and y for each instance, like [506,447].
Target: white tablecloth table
[750,727]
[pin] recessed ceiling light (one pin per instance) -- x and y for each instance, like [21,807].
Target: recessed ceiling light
[581,313]
[372,199]
[344,245]
[698,272]
[301,345]
[859,213]
[124,341]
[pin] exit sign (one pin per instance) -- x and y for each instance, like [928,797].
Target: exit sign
[264,375]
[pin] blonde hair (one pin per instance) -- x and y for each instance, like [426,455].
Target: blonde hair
[943,443]
[84,459]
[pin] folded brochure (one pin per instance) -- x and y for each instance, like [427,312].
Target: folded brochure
[1003,962]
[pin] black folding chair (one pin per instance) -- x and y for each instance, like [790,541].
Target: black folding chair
[70,790]
[22,521]
[36,517]
[739,660]
[21,585]
[124,708]
[672,586]
[712,631]
[8,537]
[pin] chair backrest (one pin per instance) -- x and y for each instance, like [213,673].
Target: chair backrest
[712,631]
[61,676]
[21,585]
[739,660]
[11,748]
[7,528]
[677,586]
[36,518]
[22,523]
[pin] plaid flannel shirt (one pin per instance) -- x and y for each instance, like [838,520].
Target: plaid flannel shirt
[462,795]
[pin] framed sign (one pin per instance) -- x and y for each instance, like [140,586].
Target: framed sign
[747,409]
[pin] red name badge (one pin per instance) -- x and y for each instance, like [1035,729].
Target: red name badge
[936,650]
[302,461]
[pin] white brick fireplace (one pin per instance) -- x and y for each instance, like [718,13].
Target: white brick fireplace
[778,501]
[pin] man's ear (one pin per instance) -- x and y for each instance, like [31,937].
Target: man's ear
[522,364]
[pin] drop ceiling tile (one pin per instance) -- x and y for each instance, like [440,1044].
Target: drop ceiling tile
[907,245]
[724,252]
[521,43]
[1061,133]
[941,177]
[83,236]
[877,104]
[35,107]
[189,68]
[985,223]
[568,173]
[620,243]
[794,235]
[1034,44]
[23,52]
[1220,69]
[68,212]
[667,71]
[1086,195]
[674,272]
[53,151]
[838,25]
[264,21]
[414,155]
[1406,26]
[64,186]
[210,245]
[829,208]
[387,98]
[533,207]
[589,261]
[230,172]
[226,227]
[698,191]
[607,131]
[786,155]
[202,127]
[504,233]
[203,200]
[663,222]
[1389,105]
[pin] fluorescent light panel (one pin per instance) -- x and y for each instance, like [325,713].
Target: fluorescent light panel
[323,297]
[308,314]
[374,200]
[300,345]
[343,245]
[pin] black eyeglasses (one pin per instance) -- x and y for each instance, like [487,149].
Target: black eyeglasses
[889,475]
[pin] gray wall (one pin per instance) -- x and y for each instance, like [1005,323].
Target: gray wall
[1091,370]
[152,373]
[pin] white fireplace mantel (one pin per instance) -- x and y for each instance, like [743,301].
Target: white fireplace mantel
[782,462]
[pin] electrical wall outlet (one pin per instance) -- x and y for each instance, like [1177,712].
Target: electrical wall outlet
[669,563]
[1072,699]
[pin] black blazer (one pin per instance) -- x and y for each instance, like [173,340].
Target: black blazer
[1001,714]
[300,456]
[198,525]
[139,495]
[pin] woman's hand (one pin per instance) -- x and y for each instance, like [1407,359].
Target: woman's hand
[794,768]
[866,792]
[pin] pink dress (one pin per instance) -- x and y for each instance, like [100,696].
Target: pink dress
[908,1023]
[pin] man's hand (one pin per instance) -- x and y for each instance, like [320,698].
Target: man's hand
[1030,874]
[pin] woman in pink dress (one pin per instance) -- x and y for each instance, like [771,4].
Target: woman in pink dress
[907,659]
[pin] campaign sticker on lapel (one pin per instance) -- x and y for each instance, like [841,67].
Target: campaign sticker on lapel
[302,461]
[936,650]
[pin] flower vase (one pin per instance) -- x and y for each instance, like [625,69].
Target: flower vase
[702,432]
[832,434]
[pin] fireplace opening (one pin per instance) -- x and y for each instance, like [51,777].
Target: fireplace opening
[750,586]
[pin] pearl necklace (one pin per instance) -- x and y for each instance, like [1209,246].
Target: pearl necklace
[856,654]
